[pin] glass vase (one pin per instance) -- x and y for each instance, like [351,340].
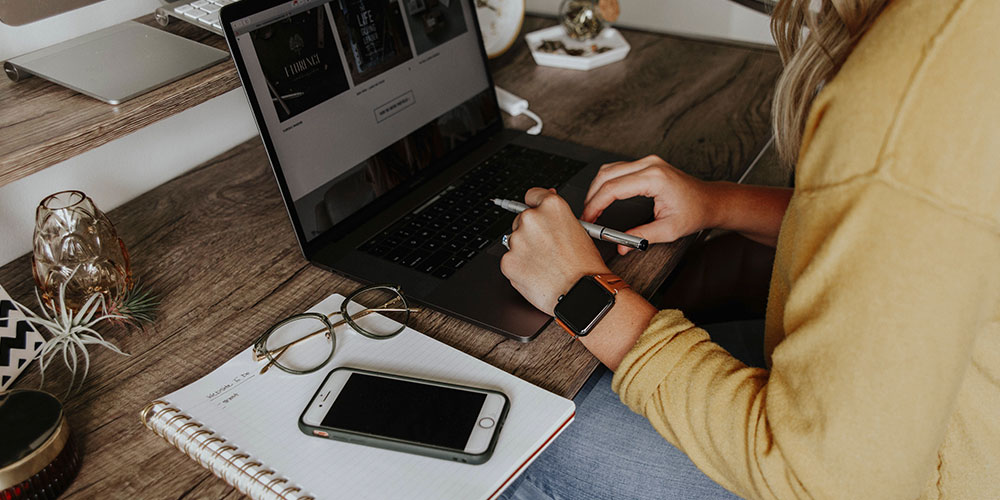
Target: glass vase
[76,244]
[581,18]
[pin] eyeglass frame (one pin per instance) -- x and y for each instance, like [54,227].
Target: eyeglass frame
[260,352]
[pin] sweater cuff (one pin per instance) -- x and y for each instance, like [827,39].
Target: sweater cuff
[652,357]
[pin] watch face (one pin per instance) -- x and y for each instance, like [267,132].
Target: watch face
[584,305]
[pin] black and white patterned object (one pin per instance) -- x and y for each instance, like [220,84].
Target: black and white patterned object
[19,341]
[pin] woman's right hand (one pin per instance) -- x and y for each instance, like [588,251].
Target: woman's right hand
[681,204]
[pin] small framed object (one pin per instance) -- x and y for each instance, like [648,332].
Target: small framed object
[19,341]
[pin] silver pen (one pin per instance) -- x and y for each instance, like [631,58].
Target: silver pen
[595,231]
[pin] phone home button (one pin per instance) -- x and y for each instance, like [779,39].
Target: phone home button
[486,422]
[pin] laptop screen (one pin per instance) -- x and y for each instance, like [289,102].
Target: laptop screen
[358,97]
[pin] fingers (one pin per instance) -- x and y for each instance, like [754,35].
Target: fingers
[658,231]
[638,231]
[617,169]
[618,188]
[534,196]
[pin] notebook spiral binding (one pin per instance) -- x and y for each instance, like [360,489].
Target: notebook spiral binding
[250,477]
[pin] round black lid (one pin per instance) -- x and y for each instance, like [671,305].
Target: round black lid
[28,418]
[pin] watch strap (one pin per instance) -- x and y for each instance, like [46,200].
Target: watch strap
[567,328]
[611,282]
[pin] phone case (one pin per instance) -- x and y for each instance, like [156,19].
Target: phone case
[406,446]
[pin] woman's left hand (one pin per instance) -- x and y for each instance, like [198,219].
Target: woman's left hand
[549,250]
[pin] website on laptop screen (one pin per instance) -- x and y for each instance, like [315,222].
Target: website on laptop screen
[359,95]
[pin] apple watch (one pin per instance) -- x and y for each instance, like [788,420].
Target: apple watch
[587,302]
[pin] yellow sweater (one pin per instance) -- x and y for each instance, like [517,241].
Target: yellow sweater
[883,321]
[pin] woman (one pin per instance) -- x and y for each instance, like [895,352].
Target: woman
[882,332]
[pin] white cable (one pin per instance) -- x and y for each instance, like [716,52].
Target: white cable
[515,105]
[537,128]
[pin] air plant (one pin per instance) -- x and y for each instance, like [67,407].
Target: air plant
[137,305]
[71,331]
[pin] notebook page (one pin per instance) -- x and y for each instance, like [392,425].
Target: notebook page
[259,413]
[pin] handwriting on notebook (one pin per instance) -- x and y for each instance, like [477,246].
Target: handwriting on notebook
[236,381]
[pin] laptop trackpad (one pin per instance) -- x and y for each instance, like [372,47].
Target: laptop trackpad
[481,294]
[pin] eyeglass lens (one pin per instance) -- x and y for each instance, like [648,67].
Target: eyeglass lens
[300,344]
[391,308]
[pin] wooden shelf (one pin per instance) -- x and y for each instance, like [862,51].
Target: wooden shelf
[43,123]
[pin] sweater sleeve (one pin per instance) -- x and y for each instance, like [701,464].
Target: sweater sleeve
[886,290]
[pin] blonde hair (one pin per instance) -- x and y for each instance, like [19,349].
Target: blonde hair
[810,61]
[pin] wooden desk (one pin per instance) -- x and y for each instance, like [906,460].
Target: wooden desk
[216,245]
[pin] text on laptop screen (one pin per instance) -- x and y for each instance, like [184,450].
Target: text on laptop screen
[360,95]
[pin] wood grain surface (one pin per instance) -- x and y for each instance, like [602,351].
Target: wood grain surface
[43,123]
[217,247]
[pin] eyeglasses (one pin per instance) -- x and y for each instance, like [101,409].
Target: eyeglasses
[305,342]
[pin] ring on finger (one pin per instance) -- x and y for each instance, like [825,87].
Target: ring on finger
[506,241]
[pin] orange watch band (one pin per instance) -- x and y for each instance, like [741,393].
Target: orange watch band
[567,328]
[611,282]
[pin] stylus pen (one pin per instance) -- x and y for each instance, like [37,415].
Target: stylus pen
[595,231]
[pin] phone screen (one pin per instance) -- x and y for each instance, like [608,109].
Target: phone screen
[399,409]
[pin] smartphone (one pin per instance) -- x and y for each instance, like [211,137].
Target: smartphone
[400,413]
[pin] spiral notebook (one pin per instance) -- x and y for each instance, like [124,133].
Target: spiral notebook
[242,426]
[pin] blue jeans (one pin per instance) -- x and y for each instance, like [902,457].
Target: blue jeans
[610,452]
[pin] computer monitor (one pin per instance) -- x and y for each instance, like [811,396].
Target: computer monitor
[18,12]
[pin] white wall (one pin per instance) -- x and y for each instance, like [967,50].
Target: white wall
[127,167]
[710,18]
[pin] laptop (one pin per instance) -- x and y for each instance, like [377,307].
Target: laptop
[381,123]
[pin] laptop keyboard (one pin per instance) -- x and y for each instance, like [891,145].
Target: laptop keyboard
[448,230]
[203,13]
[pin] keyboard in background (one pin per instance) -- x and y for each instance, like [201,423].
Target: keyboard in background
[203,13]
[443,234]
